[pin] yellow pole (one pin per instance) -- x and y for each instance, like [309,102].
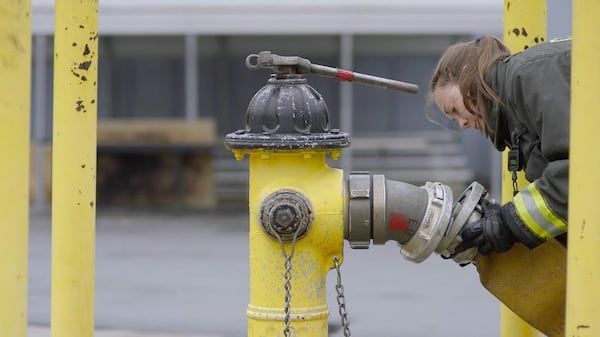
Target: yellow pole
[583,268]
[15,84]
[74,167]
[524,25]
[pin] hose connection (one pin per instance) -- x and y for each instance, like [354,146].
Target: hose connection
[422,220]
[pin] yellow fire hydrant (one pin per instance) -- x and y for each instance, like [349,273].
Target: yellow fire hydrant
[297,203]
[296,206]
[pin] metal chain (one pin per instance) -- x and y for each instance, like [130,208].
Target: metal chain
[287,331]
[514,183]
[341,299]
[515,148]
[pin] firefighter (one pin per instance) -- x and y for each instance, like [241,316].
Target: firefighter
[520,102]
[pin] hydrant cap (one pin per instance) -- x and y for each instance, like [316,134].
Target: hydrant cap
[287,113]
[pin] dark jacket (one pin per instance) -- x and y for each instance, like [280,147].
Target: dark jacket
[534,86]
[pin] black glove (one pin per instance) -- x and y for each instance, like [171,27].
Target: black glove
[489,234]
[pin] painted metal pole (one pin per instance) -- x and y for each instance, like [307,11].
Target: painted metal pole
[74,167]
[525,24]
[15,90]
[191,77]
[346,98]
[40,121]
[583,269]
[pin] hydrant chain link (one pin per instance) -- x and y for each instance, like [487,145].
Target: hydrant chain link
[341,298]
[288,279]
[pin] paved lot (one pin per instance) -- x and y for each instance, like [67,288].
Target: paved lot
[44,331]
[186,275]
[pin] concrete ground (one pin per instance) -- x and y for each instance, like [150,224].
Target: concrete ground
[165,274]
[44,331]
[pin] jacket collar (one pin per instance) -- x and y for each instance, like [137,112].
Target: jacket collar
[495,115]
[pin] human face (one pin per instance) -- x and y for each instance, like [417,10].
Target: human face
[449,99]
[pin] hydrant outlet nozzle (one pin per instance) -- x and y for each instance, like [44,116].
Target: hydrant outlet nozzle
[284,213]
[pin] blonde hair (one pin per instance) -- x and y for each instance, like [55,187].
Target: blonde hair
[465,64]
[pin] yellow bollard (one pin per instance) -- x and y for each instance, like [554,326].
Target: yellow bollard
[529,282]
[74,167]
[15,75]
[296,207]
[524,26]
[583,296]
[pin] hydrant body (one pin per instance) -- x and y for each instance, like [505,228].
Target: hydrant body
[296,207]
[308,174]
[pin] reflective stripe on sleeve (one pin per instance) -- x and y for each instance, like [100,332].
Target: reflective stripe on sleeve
[536,214]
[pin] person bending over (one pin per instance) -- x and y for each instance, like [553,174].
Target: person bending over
[520,102]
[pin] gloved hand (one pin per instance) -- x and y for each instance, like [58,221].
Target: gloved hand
[489,234]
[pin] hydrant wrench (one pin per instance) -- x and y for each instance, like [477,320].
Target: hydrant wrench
[299,65]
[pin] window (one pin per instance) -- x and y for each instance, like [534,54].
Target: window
[141,76]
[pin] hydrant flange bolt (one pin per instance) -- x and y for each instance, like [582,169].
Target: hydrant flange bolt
[285,212]
[285,216]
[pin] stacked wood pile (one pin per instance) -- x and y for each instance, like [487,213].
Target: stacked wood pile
[147,163]
[157,162]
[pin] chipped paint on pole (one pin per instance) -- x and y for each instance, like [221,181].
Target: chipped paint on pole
[74,167]
[524,23]
[524,26]
[583,296]
[15,75]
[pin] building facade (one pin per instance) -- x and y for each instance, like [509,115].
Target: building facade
[185,60]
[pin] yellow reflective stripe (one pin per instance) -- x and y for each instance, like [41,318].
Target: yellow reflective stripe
[537,216]
[528,220]
[546,212]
